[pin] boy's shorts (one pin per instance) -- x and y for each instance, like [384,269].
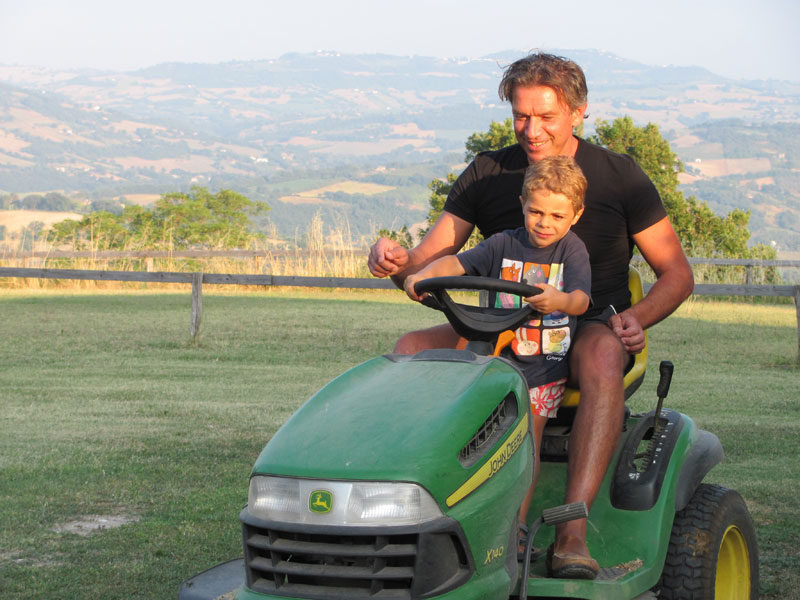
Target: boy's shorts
[545,399]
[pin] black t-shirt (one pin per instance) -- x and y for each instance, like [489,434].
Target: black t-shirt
[620,202]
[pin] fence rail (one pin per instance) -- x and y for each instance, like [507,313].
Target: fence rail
[198,279]
[118,254]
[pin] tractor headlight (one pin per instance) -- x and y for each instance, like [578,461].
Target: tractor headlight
[365,503]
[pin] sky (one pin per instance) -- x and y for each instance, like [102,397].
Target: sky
[738,39]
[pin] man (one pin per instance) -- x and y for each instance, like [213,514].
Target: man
[548,98]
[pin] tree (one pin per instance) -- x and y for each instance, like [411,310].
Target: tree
[177,220]
[439,190]
[701,232]
[203,219]
[97,231]
[499,136]
[402,237]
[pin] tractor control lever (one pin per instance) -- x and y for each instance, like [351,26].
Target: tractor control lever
[665,369]
[564,513]
[550,516]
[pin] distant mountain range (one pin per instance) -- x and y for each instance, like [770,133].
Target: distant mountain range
[249,125]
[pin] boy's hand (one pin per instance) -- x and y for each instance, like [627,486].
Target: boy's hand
[408,286]
[547,301]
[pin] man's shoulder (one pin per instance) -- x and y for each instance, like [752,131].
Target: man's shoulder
[508,158]
[592,154]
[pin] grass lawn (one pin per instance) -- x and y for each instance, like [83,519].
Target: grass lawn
[110,414]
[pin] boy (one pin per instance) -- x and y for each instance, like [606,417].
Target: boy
[544,254]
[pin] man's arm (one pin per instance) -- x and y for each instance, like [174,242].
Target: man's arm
[661,248]
[447,236]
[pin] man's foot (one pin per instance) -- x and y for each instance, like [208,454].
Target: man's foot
[572,560]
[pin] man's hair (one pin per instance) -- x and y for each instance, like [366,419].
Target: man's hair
[556,174]
[557,72]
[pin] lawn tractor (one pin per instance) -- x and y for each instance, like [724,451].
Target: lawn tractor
[403,477]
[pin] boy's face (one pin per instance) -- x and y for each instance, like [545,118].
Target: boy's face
[548,217]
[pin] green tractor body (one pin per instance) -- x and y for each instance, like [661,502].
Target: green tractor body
[449,426]
[402,479]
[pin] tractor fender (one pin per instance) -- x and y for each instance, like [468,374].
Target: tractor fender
[705,453]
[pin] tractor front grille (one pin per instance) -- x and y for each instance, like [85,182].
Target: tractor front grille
[393,566]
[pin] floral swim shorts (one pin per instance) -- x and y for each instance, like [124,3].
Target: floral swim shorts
[545,399]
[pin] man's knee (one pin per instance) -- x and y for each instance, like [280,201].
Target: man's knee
[410,343]
[598,353]
[441,336]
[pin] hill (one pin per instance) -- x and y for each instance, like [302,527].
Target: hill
[302,122]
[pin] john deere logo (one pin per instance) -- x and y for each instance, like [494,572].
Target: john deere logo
[320,501]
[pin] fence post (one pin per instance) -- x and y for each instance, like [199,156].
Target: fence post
[797,310]
[197,304]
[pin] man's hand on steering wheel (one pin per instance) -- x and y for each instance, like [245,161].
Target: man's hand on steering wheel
[629,331]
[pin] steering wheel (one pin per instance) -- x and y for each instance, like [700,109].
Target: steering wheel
[477,323]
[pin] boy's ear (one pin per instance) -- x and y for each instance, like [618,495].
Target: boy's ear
[577,216]
[522,200]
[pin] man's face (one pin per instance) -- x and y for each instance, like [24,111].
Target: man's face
[543,125]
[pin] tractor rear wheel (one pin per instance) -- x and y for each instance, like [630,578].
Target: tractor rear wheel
[713,554]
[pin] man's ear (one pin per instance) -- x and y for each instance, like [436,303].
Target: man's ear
[578,114]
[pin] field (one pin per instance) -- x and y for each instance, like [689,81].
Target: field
[15,220]
[348,187]
[125,448]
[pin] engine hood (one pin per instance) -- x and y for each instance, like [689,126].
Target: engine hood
[400,418]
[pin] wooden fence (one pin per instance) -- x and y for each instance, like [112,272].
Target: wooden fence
[198,279]
[258,257]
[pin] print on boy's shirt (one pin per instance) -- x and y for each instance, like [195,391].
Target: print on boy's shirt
[535,273]
[538,336]
[527,341]
[510,270]
[556,341]
[531,273]
[556,279]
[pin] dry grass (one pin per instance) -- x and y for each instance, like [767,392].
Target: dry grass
[323,254]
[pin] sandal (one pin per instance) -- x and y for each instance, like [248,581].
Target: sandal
[570,566]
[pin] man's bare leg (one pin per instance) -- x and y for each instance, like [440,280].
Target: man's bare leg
[598,359]
[440,336]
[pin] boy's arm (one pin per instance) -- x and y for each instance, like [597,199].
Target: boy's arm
[550,300]
[446,266]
